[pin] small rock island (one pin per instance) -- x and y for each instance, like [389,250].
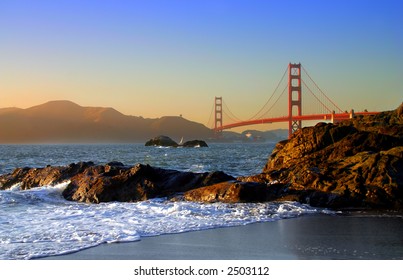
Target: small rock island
[165,141]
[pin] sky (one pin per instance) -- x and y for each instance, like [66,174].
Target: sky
[155,58]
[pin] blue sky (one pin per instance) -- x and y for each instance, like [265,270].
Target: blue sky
[155,58]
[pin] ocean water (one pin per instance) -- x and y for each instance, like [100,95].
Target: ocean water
[39,222]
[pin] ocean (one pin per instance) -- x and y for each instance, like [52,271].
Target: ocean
[40,222]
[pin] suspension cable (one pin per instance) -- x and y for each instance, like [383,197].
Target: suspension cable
[230,118]
[272,95]
[210,123]
[306,86]
[275,102]
[306,72]
[231,115]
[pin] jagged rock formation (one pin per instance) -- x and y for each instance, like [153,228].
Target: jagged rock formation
[140,182]
[234,191]
[112,182]
[357,163]
[29,178]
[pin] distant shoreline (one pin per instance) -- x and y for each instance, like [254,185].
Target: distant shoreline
[62,121]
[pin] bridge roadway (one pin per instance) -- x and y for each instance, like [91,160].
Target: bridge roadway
[326,117]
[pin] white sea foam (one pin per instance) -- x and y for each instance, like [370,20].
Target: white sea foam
[15,187]
[198,168]
[39,222]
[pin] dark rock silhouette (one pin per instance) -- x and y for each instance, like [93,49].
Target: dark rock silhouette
[194,143]
[163,141]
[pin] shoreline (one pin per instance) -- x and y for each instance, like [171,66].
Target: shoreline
[356,236]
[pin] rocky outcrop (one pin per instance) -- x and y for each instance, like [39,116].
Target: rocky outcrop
[194,144]
[140,182]
[355,163]
[113,181]
[163,141]
[235,191]
[29,178]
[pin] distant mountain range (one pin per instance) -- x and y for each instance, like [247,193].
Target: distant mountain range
[66,122]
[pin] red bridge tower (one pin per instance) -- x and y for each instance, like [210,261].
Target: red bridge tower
[294,97]
[218,115]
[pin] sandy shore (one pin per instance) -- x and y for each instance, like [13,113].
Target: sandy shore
[310,237]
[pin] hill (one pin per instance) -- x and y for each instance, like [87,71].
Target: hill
[66,122]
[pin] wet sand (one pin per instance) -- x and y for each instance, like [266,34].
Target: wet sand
[318,237]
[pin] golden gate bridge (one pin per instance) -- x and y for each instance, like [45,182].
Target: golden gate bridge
[317,105]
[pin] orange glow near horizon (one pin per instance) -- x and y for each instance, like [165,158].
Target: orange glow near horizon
[169,60]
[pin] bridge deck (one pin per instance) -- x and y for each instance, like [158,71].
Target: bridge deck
[325,117]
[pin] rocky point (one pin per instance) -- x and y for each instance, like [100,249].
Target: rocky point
[356,163]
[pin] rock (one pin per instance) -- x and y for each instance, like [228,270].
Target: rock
[357,163]
[136,183]
[400,111]
[386,123]
[234,192]
[29,178]
[163,141]
[194,144]
[113,181]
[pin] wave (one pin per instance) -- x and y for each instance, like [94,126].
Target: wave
[49,194]
[39,222]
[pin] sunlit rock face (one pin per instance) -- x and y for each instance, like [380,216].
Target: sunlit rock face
[355,163]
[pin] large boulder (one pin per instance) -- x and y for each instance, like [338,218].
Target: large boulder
[140,182]
[113,181]
[29,178]
[234,192]
[165,141]
[194,144]
[356,163]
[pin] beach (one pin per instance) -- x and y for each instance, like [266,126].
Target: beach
[358,236]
